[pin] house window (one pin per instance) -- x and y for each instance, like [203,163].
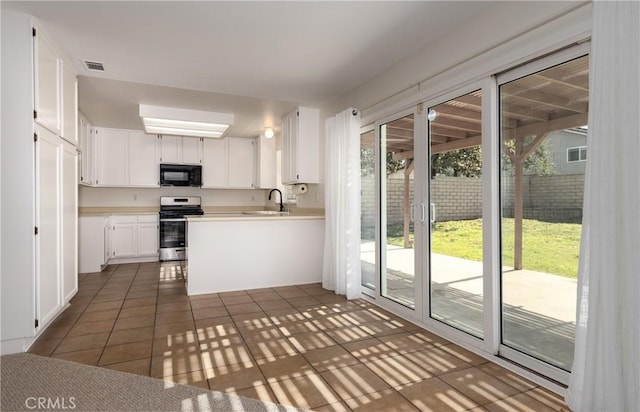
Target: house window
[577,154]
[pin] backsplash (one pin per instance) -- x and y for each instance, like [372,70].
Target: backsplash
[143,197]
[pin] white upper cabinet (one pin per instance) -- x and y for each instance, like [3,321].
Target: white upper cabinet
[300,146]
[228,163]
[113,157]
[69,104]
[126,158]
[265,163]
[46,76]
[214,165]
[143,160]
[86,135]
[192,150]
[241,159]
[181,150]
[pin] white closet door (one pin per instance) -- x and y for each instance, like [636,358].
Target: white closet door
[48,288]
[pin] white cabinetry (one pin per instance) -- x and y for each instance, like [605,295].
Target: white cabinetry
[134,236]
[300,146]
[38,185]
[124,237]
[46,77]
[92,233]
[69,104]
[241,159]
[126,158]
[69,222]
[265,163]
[117,239]
[87,172]
[143,160]
[48,244]
[56,220]
[113,157]
[214,165]
[228,163]
[180,149]
[148,235]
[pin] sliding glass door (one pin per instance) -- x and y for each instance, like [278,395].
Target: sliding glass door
[368,210]
[455,213]
[543,156]
[396,176]
[472,209]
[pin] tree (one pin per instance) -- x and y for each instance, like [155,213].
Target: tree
[538,163]
[367,163]
[460,163]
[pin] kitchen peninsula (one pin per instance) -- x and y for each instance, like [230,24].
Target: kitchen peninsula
[236,251]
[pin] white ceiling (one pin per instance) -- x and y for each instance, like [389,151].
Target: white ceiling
[253,59]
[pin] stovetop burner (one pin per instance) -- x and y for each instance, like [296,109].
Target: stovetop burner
[177,207]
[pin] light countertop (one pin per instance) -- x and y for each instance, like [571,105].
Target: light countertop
[220,217]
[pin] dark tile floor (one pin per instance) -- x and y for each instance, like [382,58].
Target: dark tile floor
[296,345]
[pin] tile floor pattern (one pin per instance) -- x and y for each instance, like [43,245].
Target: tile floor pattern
[296,345]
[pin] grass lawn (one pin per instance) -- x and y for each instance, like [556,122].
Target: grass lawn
[547,247]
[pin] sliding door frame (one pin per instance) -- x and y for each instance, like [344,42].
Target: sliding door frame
[491,345]
[489,201]
[385,302]
[560,57]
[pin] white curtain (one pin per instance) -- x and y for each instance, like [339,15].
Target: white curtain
[606,367]
[341,265]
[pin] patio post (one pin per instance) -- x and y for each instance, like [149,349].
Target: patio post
[408,168]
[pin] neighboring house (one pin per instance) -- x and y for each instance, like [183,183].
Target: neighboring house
[568,149]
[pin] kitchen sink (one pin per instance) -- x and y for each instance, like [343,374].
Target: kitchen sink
[266,213]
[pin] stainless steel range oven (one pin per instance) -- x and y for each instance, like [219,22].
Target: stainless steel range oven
[173,225]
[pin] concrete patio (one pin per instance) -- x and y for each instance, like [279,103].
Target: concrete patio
[539,308]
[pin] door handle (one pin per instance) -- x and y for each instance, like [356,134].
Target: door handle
[432,216]
[423,213]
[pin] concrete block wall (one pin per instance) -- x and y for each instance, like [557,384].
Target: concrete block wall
[456,198]
[556,198]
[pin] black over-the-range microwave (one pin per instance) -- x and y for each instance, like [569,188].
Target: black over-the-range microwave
[180,175]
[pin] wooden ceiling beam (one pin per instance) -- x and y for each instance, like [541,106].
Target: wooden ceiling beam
[542,98]
[546,77]
[397,156]
[536,129]
[451,133]
[456,145]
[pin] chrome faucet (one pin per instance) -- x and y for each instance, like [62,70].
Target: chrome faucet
[277,190]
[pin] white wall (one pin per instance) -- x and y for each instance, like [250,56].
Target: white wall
[483,43]
[473,40]
[150,197]
[17,165]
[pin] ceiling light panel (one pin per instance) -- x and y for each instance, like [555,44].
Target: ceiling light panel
[169,120]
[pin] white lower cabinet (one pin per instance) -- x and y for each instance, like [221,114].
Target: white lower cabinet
[117,239]
[148,235]
[124,236]
[92,250]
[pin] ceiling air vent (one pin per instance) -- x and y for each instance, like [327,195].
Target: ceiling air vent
[93,66]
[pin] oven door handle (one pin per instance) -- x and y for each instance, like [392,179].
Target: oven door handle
[174,220]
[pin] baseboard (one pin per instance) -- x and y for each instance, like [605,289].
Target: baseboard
[19,345]
[141,259]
